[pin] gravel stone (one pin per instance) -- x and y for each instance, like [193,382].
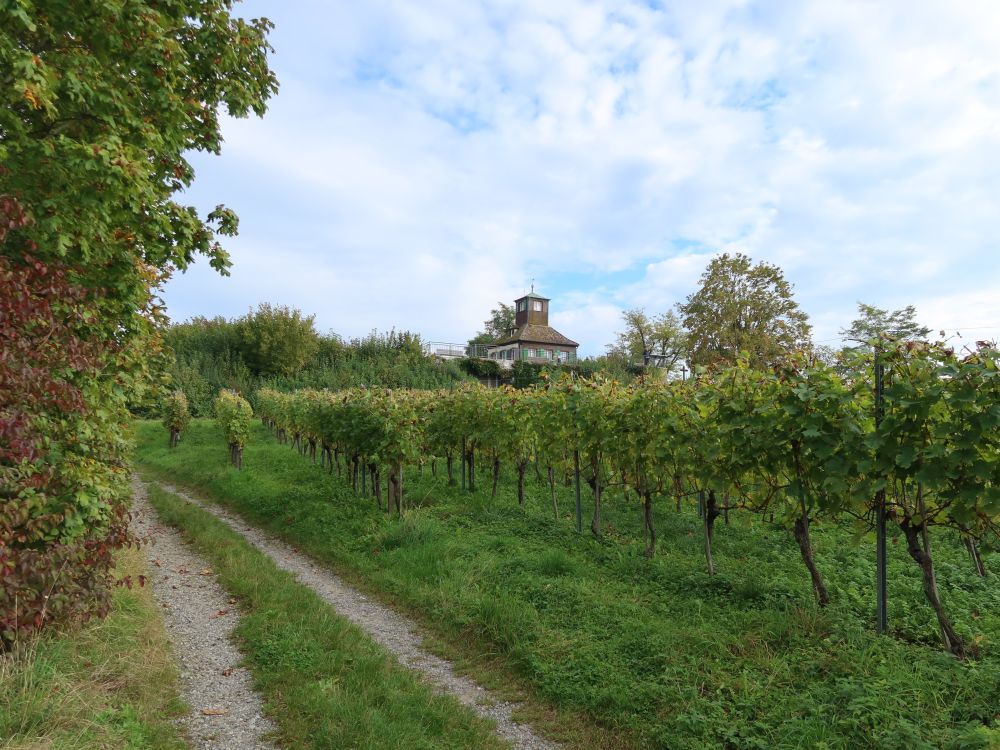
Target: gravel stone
[397,634]
[226,713]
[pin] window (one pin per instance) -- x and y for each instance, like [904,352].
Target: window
[538,305]
[522,305]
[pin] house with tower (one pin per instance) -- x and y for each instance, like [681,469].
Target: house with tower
[532,339]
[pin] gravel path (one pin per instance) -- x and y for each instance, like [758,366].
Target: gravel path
[226,712]
[395,633]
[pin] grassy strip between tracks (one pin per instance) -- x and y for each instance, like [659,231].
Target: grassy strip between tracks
[618,651]
[325,683]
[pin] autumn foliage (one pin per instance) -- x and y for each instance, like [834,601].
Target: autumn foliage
[62,476]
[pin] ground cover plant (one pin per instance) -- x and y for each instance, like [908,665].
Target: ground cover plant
[654,650]
[325,683]
[109,684]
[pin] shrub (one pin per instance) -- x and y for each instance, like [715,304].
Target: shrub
[63,484]
[481,368]
[277,340]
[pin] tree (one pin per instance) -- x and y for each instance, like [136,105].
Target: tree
[742,307]
[659,341]
[500,322]
[876,323]
[276,340]
[99,105]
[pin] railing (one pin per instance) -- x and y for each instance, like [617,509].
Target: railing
[480,351]
[453,351]
[528,355]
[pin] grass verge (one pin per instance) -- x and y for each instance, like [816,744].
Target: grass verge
[107,684]
[325,683]
[619,651]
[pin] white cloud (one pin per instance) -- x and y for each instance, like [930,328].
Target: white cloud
[424,160]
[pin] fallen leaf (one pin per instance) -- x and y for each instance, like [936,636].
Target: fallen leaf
[220,613]
[233,600]
[156,562]
[206,572]
[214,711]
[227,672]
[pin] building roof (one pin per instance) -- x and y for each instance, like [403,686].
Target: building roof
[535,334]
[532,295]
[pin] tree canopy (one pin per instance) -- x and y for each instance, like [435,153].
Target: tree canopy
[875,323]
[743,307]
[500,322]
[658,341]
[277,340]
[100,103]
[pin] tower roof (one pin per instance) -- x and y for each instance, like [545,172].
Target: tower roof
[532,295]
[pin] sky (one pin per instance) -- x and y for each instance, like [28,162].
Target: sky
[425,160]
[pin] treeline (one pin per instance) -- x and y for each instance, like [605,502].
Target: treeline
[278,347]
[798,443]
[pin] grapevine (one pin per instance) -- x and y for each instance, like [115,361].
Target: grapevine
[797,444]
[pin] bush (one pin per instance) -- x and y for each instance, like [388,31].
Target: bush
[277,340]
[481,368]
[525,374]
[62,482]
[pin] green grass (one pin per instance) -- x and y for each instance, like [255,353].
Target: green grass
[615,649]
[325,683]
[108,684]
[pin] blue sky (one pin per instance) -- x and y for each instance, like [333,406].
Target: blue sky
[424,160]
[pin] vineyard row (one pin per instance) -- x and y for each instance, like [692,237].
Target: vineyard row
[798,443]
